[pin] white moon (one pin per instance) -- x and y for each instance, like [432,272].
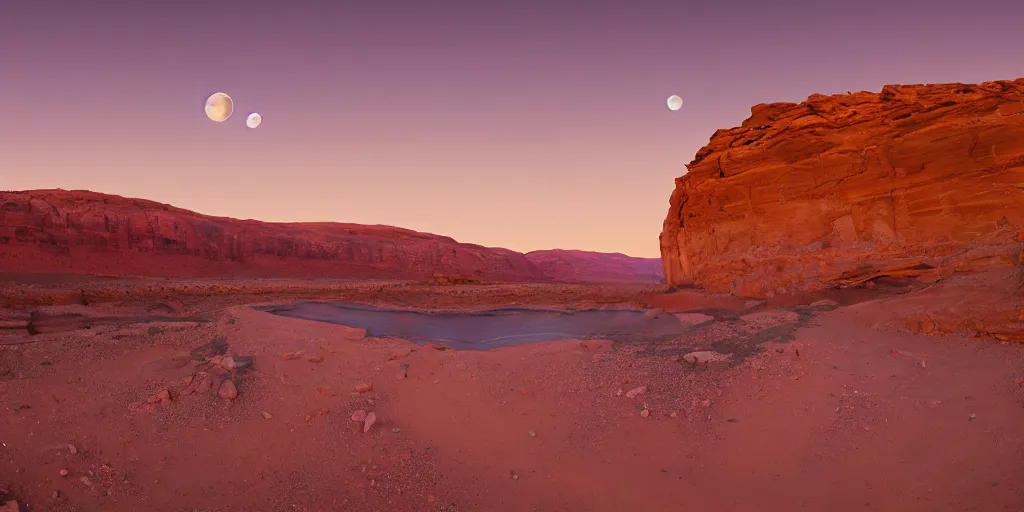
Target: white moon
[219,107]
[674,102]
[254,120]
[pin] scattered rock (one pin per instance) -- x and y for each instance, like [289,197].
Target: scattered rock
[693,319]
[765,319]
[72,449]
[315,359]
[359,416]
[162,397]
[674,415]
[64,472]
[635,391]
[972,417]
[217,347]
[934,403]
[85,480]
[228,363]
[396,430]
[353,333]
[923,364]
[645,413]
[371,418]
[228,390]
[901,353]
[654,313]
[292,355]
[327,391]
[706,356]
[266,415]
[825,305]
[532,433]
[706,403]
[363,388]
[619,392]
[240,362]
[205,383]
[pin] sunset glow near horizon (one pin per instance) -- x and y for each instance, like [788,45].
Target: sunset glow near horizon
[528,125]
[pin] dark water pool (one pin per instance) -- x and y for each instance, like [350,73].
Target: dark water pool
[489,329]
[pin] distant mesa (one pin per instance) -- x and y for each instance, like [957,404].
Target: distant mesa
[219,107]
[82,232]
[584,266]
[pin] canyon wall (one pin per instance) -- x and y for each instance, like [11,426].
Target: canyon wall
[82,232]
[915,182]
[87,232]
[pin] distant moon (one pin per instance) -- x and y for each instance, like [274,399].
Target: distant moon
[674,102]
[254,120]
[219,107]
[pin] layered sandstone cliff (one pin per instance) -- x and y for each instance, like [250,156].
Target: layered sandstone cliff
[82,232]
[916,182]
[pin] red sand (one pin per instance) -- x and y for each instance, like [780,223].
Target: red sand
[846,416]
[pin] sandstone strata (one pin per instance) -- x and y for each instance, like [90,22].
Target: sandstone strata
[915,183]
[81,232]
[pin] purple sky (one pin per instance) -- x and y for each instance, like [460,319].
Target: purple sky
[525,124]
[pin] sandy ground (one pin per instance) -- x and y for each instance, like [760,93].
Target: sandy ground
[818,408]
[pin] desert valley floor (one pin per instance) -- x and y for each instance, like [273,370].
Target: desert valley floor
[179,395]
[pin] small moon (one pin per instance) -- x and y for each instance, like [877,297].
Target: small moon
[674,102]
[219,107]
[254,120]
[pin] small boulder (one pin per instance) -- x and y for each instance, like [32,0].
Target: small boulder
[359,416]
[645,413]
[266,415]
[205,383]
[363,388]
[371,418]
[693,319]
[228,390]
[636,391]
[315,358]
[706,356]
[654,313]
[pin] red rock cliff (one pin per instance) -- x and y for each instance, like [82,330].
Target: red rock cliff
[88,232]
[842,189]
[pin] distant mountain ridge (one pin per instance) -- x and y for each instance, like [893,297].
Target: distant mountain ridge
[574,265]
[84,232]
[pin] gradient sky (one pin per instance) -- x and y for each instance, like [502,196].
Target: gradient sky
[520,124]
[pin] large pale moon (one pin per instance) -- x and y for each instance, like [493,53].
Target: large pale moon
[219,107]
[674,102]
[254,120]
